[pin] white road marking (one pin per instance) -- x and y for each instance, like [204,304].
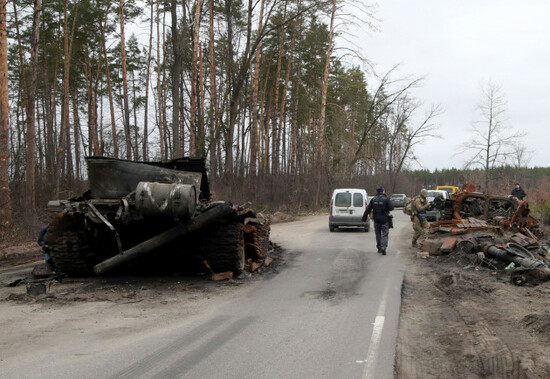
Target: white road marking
[376,336]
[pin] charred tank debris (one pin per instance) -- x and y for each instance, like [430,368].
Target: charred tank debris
[154,214]
[499,229]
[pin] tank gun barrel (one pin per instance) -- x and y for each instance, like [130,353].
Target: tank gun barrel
[209,216]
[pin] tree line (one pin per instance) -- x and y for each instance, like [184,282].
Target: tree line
[259,88]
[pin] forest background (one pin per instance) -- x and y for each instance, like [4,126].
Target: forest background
[261,88]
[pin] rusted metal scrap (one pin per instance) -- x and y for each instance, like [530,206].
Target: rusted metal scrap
[504,211]
[500,227]
[524,258]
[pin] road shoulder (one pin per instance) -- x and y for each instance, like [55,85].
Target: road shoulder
[463,319]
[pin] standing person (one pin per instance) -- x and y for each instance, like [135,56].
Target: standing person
[42,242]
[518,192]
[439,203]
[381,207]
[418,217]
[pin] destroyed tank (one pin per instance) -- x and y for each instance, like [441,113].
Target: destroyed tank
[153,212]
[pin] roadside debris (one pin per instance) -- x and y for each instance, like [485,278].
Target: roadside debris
[498,228]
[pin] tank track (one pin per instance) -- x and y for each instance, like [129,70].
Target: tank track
[67,240]
[222,247]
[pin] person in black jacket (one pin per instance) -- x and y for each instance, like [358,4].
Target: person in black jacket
[518,192]
[380,206]
[439,204]
[42,242]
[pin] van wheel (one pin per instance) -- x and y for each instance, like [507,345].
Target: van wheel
[332,228]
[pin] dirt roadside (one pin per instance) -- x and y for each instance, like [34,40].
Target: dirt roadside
[461,318]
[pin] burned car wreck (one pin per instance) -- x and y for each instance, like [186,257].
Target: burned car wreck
[497,229]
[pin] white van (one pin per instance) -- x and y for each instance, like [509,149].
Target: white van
[347,206]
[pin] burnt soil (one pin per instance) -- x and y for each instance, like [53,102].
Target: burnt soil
[463,317]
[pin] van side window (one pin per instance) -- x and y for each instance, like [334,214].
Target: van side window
[342,199]
[358,200]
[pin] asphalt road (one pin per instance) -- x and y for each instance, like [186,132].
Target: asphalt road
[332,312]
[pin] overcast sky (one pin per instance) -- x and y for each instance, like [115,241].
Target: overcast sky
[460,46]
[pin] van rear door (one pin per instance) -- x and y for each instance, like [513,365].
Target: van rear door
[349,204]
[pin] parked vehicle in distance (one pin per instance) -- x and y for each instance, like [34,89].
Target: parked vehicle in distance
[451,190]
[398,199]
[347,206]
[434,214]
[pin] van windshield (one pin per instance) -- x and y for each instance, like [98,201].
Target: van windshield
[342,199]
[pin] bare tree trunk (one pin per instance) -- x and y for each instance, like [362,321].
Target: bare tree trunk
[30,196]
[168,151]
[93,135]
[311,148]
[228,143]
[321,135]
[161,119]
[255,90]
[127,136]
[214,111]
[194,81]
[287,81]
[50,99]
[266,156]
[201,136]
[64,151]
[489,140]
[109,87]
[176,81]
[275,117]
[135,145]
[5,203]
[145,147]
[294,141]
[76,122]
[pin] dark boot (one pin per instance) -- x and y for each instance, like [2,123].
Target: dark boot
[51,264]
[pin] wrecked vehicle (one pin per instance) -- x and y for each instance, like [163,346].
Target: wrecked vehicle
[497,227]
[135,208]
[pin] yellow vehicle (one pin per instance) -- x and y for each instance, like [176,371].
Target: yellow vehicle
[450,189]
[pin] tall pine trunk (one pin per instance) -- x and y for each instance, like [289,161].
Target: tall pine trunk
[285,88]
[276,116]
[160,114]
[125,94]
[76,122]
[145,147]
[5,196]
[194,82]
[109,87]
[176,81]
[255,89]
[30,80]
[321,134]
[214,111]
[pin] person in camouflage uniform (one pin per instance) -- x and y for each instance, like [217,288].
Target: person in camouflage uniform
[418,217]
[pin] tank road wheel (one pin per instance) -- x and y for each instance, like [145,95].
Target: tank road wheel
[223,247]
[67,238]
